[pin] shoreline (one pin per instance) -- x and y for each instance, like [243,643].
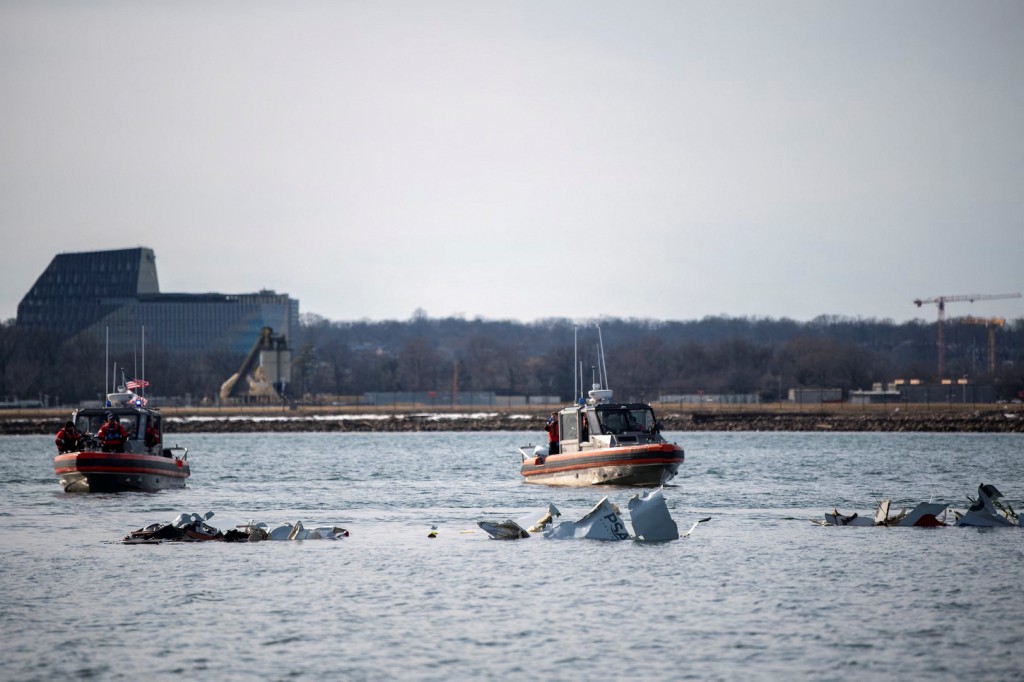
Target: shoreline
[1005,419]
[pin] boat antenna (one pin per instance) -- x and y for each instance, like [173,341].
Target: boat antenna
[575,364]
[143,377]
[603,367]
[582,392]
[106,365]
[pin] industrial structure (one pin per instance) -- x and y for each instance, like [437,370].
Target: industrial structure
[960,391]
[265,373]
[109,296]
[991,323]
[940,302]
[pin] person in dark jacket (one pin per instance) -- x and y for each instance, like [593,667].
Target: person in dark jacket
[152,435]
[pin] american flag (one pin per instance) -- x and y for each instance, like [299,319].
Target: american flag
[136,383]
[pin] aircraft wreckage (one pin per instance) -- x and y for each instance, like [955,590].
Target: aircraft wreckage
[648,512]
[194,528]
[985,511]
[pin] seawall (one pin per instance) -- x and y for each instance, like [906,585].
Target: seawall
[938,421]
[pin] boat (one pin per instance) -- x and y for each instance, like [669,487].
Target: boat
[139,467]
[603,442]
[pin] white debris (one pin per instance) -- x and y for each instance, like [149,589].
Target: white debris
[650,517]
[984,512]
[601,523]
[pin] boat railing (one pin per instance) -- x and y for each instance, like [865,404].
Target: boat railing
[177,452]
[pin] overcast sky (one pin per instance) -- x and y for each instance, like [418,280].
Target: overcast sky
[525,160]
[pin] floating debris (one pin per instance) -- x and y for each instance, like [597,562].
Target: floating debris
[985,512]
[924,515]
[194,528]
[506,530]
[648,512]
[509,529]
[545,520]
[650,517]
[695,524]
[600,523]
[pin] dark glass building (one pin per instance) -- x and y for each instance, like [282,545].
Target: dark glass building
[117,294]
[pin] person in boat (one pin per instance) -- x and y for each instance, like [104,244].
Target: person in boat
[584,427]
[69,438]
[112,435]
[152,435]
[552,428]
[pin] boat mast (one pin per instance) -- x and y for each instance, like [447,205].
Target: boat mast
[602,368]
[575,365]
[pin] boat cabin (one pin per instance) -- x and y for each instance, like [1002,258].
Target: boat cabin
[134,417]
[602,425]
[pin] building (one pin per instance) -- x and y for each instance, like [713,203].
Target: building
[116,295]
[710,398]
[960,391]
[815,395]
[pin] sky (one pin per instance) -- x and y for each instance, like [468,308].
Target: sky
[525,160]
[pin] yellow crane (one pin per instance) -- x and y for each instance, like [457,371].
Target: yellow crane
[990,324]
[941,302]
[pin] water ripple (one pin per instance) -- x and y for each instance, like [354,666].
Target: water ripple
[758,592]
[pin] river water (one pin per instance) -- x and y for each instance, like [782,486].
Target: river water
[756,593]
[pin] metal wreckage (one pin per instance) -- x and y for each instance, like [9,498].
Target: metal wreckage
[648,513]
[194,528]
[985,511]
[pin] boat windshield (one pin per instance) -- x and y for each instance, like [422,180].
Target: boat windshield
[91,423]
[625,419]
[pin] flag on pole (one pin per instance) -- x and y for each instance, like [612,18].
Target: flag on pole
[136,383]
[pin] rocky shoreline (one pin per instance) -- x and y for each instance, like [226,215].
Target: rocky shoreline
[978,421]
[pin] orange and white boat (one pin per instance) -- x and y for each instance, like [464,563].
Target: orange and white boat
[604,443]
[601,442]
[142,464]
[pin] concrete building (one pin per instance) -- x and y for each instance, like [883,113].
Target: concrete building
[815,395]
[87,295]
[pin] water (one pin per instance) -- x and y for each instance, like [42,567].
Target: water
[756,593]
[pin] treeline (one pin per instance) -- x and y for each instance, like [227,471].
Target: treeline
[645,358]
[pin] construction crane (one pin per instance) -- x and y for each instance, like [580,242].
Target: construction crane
[990,324]
[941,302]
